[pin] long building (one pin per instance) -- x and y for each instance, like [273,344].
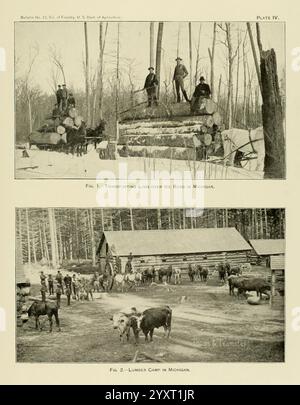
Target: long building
[205,246]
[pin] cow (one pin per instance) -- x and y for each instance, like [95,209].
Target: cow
[134,278]
[154,318]
[38,309]
[259,285]
[148,275]
[221,270]
[234,271]
[203,274]
[247,142]
[120,281]
[191,273]
[177,275]
[234,282]
[165,274]
[123,321]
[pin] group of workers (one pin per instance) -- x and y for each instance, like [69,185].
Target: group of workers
[202,90]
[65,100]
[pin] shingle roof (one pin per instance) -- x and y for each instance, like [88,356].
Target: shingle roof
[268,246]
[164,242]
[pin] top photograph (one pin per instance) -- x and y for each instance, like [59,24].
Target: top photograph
[207,98]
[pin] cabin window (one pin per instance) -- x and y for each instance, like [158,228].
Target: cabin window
[164,260]
[184,259]
[142,261]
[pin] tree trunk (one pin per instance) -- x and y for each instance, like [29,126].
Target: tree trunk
[20,235]
[158,54]
[29,114]
[266,223]
[272,116]
[28,237]
[131,219]
[87,78]
[158,219]
[230,79]
[52,225]
[245,86]
[197,57]
[190,57]
[118,82]
[151,44]
[219,90]
[237,79]
[91,221]
[212,60]
[254,55]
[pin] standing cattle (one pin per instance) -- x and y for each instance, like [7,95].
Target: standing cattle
[154,318]
[148,275]
[123,321]
[38,309]
[247,142]
[191,273]
[222,272]
[165,274]
[259,285]
[234,282]
[203,274]
[177,275]
[119,280]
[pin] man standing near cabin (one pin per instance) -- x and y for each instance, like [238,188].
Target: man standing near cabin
[58,293]
[150,85]
[50,285]
[59,280]
[180,73]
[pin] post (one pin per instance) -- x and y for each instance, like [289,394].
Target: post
[273,282]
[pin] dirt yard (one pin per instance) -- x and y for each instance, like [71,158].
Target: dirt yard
[207,326]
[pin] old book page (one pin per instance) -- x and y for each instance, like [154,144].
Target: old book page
[150,181]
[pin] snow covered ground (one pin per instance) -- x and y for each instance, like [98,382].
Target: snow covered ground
[52,164]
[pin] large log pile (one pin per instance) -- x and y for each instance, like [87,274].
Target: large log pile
[171,132]
[54,130]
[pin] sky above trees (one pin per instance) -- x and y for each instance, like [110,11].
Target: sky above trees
[68,40]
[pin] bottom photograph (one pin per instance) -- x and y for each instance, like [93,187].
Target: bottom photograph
[150,285]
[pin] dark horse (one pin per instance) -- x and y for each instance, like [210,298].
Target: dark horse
[38,309]
[76,140]
[95,135]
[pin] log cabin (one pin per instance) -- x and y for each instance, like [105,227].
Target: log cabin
[178,247]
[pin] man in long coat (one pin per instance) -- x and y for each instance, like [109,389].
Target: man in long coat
[150,85]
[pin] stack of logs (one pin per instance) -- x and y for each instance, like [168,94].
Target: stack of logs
[176,135]
[55,129]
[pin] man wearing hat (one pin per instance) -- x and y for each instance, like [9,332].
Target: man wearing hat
[59,96]
[180,73]
[64,97]
[150,86]
[71,100]
[202,91]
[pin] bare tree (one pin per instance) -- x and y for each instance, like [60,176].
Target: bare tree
[152,43]
[158,53]
[56,58]
[211,54]
[52,224]
[34,52]
[197,56]
[190,56]
[87,72]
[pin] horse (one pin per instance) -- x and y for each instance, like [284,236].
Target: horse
[94,135]
[38,309]
[250,143]
[76,139]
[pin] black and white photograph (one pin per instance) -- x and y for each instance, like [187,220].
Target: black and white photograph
[150,285]
[181,96]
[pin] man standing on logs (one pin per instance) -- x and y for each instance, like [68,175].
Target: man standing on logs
[150,86]
[59,96]
[202,91]
[71,101]
[64,96]
[180,73]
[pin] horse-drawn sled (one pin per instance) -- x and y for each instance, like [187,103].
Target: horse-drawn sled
[68,133]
